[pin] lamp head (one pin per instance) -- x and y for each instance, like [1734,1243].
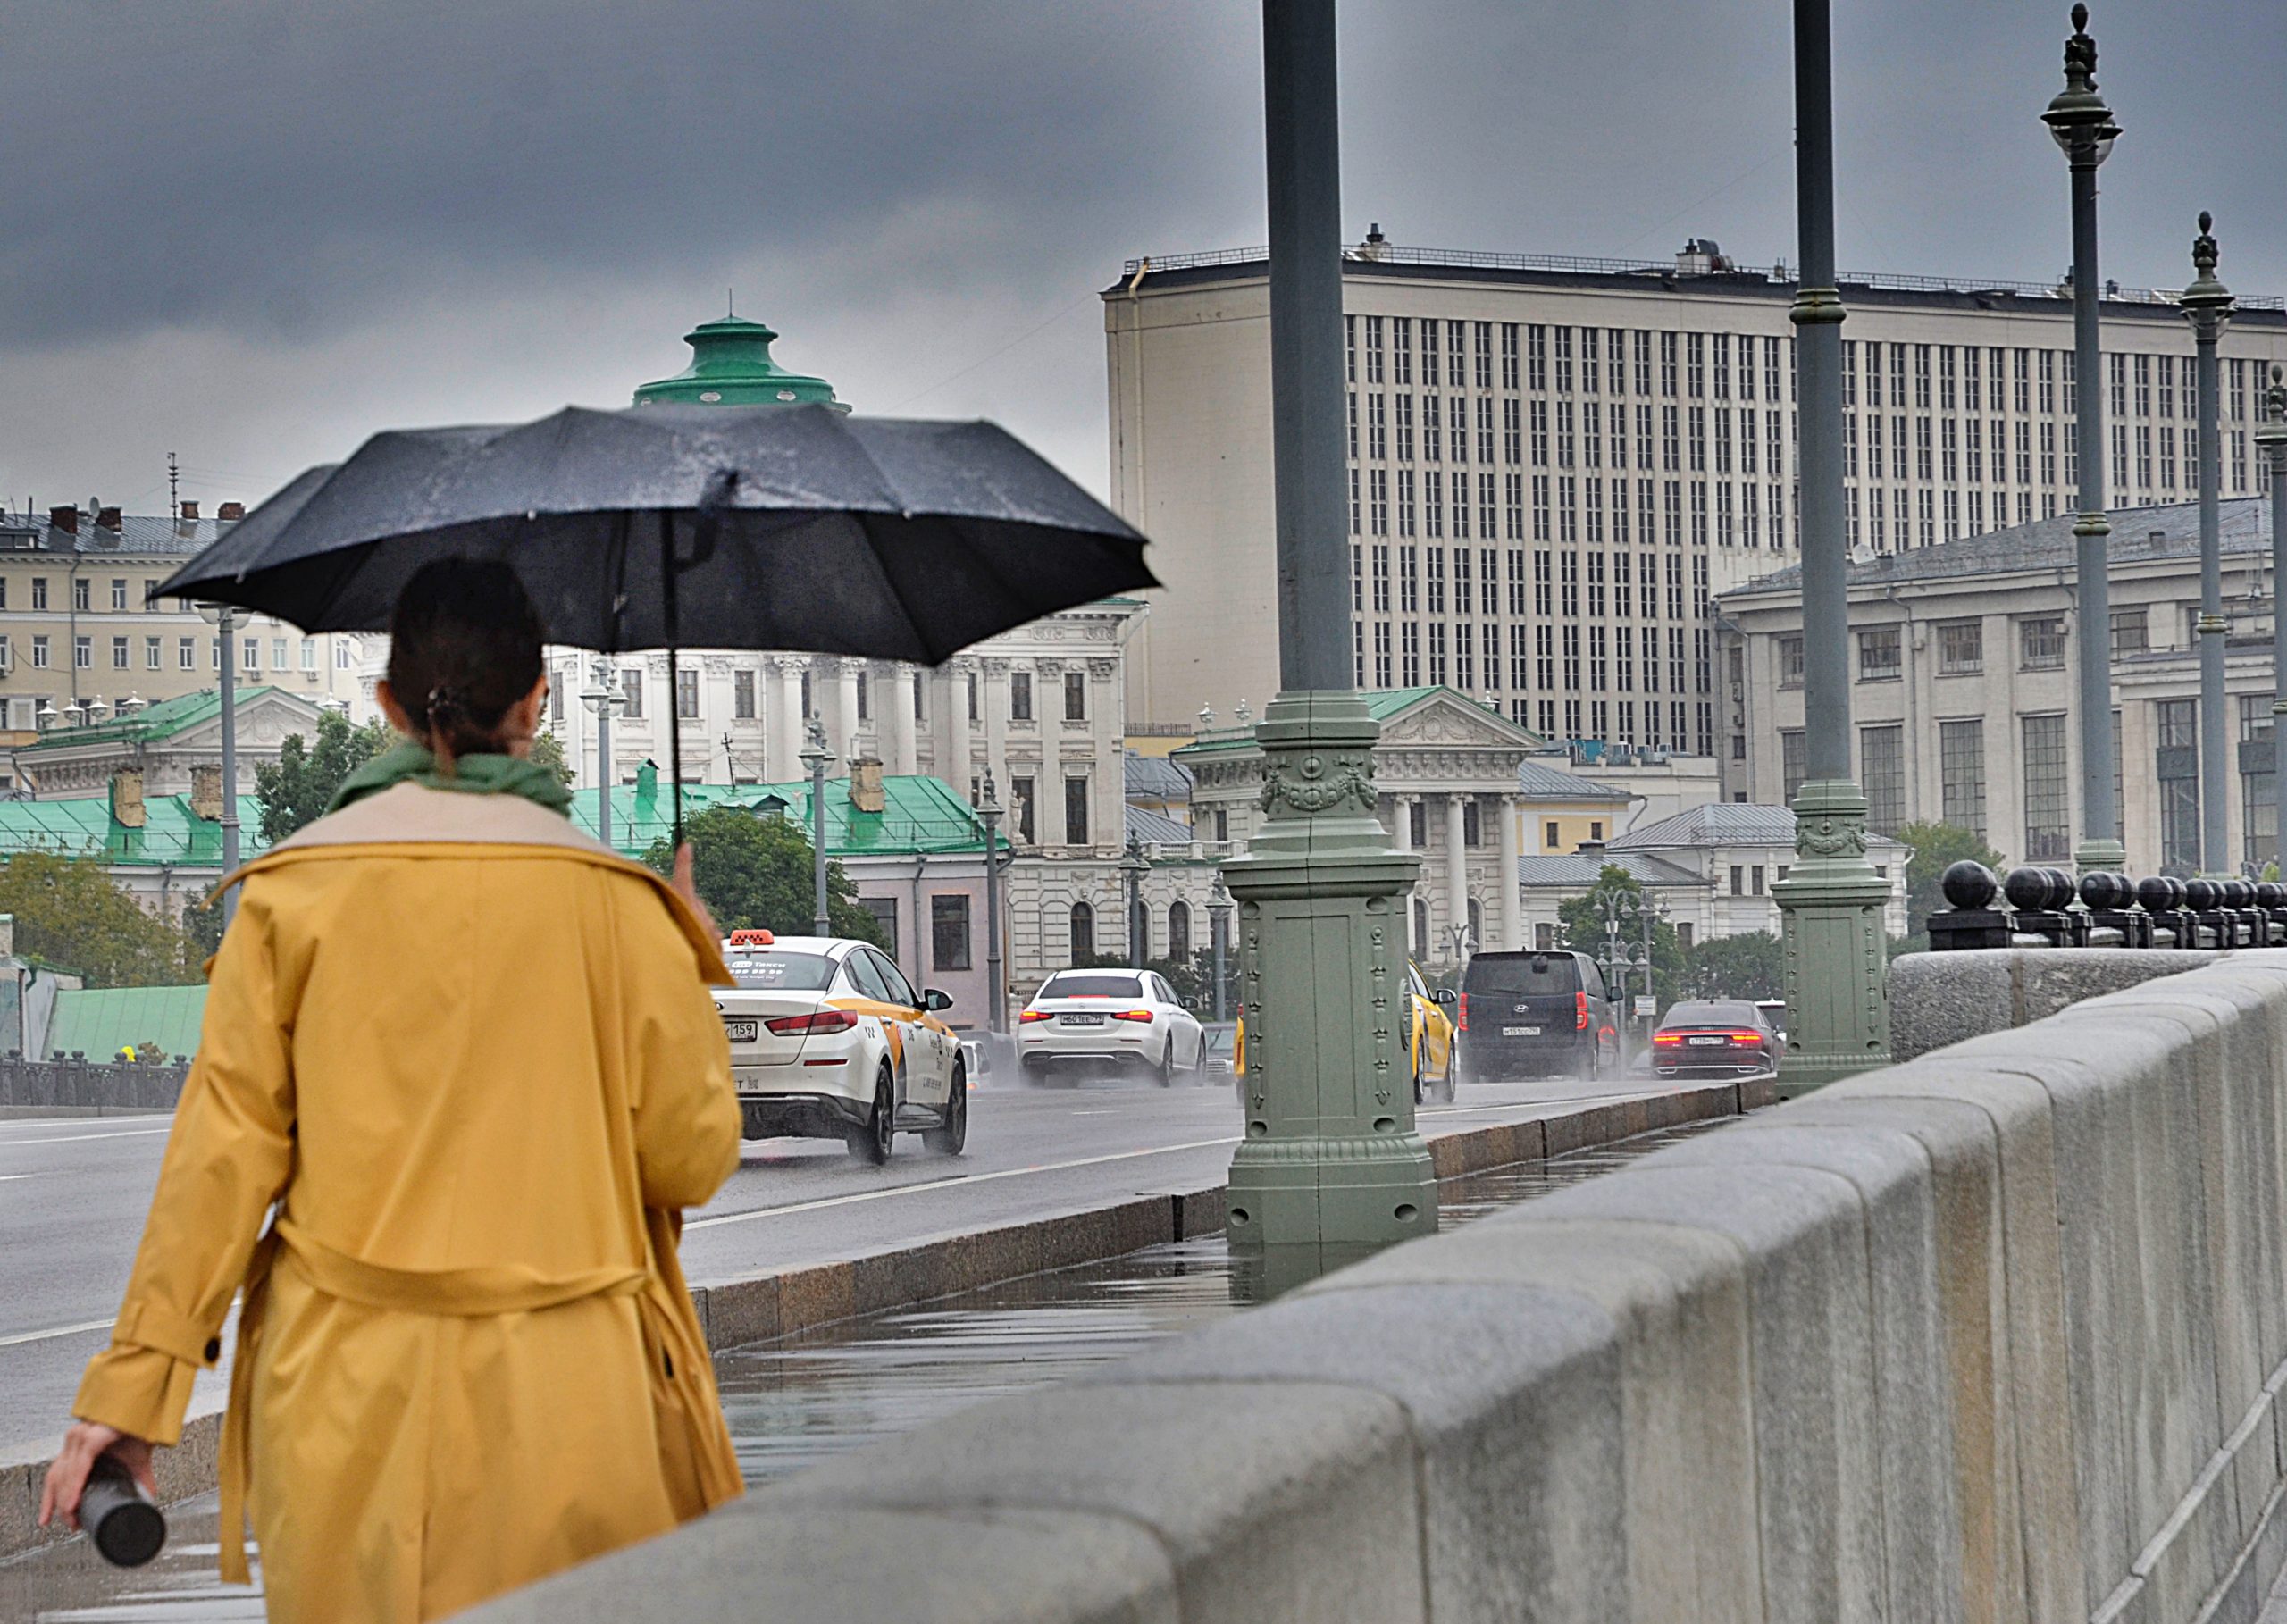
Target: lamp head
[2206,301]
[2077,116]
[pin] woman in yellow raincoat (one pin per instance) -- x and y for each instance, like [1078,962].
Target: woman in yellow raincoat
[469,1054]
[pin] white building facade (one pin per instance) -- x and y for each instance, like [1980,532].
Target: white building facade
[1557,464]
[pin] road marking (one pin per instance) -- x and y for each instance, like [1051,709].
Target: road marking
[21,1337]
[10,1144]
[958,1178]
[4,1177]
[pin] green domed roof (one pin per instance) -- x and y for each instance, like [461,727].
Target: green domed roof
[731,366]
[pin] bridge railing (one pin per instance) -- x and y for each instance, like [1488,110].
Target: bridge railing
[83,1084]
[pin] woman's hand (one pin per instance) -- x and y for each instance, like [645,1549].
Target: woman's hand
[689,891]
[67,1477]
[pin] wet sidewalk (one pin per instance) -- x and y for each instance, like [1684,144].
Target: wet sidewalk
[802,1399]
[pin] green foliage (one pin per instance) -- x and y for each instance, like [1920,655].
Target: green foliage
[1936,847]
[547,750]
[755,873]
[1749,965]
[69,913]
[1583,932]
[295,788]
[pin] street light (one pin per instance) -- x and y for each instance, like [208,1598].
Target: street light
[2206,305]
[2084,130]
[224,619]
[1218,925]
[815,756]
[1133,866]
[2271,440]
[996,1009]
[1830,903]
[604,697]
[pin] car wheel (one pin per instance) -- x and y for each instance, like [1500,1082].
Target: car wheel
[1168,1063]
[1417,1095]
[1446,1082]
[948,1140]
[872,1142]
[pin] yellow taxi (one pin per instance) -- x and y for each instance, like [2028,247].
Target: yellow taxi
[1429,1040]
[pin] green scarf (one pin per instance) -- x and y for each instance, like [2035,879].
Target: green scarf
[409,763]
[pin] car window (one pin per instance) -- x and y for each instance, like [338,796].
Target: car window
[1591,979]
[1713,1012]
[1165,993]
[1524,974]
[900,990]
[1414,982]
[790,971]
[867,974]
[1091,984]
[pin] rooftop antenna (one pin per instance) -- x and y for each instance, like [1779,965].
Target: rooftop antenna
[730,306]
[174,485]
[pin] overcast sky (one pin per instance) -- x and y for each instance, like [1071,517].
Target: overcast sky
[253,232]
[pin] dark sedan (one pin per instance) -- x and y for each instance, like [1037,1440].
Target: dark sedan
[1720,1037]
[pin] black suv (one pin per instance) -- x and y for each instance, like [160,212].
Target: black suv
[1536,1015]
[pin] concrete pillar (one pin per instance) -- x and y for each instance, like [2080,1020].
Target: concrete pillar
[1456,865]
[1512,901]
[954,767]
[899,727]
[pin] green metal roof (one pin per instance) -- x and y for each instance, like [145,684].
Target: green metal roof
[1387,702]
[161,720]
[80,826]
[920,815]
[731,366]
[97,1022]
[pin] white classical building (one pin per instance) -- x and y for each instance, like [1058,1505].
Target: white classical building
[1556,464]
[1963,685]
[1447,769]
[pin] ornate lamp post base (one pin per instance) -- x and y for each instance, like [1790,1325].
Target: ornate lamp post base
[2098,856]
[1331,1157]
[1831,905]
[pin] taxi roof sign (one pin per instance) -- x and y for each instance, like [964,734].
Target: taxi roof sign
[751,938]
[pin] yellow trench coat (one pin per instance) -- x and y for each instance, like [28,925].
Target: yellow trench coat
[470,1054]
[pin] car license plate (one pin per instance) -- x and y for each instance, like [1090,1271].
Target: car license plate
[1707,1042]
[1520,1032]
[1080,1020]
[742,1032]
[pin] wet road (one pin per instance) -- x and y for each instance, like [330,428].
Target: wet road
[803,1399]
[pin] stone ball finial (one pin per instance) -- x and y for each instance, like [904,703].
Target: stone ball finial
[1968,885]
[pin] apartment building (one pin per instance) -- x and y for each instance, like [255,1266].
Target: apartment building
[1556,465]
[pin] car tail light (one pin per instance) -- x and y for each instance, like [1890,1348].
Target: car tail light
[1462,1025]
[1667,1037]
[1030,1016]
[1131,1015]
[1580,1011]
[811,1024]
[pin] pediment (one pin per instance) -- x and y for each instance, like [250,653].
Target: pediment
[1448,721]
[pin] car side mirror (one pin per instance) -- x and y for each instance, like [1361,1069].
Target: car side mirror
[933,1000]
[1446,997]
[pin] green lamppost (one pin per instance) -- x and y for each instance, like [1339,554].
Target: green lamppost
[1330,1158]
[2206,305]
[2271,440]
[2084,129]
[1830,903]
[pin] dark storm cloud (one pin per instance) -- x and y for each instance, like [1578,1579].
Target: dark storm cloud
[255,231]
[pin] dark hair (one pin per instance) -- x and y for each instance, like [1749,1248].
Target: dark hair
[465,646]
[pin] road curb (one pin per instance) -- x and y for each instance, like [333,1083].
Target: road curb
[765,1307]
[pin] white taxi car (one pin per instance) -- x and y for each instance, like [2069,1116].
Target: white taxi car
[829,1041]
[1088,1018]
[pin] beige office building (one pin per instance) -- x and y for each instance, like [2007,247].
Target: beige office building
[1556,464]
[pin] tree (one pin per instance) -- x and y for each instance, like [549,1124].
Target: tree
[1937,847]
[1749,965]
[69,913]
[755,873]
[547,750]
[298,786]
[1584,930]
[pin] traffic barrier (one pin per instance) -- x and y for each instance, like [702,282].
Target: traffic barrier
[76,1083]
[1997,1334]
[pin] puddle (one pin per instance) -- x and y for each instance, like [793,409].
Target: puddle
[800,1400]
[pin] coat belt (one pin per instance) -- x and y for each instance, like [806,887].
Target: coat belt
[473,1292]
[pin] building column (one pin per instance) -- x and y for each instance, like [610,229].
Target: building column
[954,767]
[899,727]
[996,732]
[1456,865]
[1513,901]
[845,707]
[1402,839]
[782,736]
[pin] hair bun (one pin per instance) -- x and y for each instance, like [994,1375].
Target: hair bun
[442,700]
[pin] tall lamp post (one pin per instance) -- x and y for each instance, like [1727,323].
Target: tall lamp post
[815,756]
[601,697]
[2084,130]
[2271,439]
[2206,305]
[1830,903]
[1330,1155]
[1133,866]
[996,1009]
[1218,930]
[225,620]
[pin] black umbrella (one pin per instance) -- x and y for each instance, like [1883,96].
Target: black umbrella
[746,527]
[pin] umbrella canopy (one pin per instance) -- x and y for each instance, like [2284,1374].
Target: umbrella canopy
[761,527]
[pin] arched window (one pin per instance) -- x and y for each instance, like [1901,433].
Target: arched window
[1179,932]
[1084,932]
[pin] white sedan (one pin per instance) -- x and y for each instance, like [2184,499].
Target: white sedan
[1131,1018]
[829,1041]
